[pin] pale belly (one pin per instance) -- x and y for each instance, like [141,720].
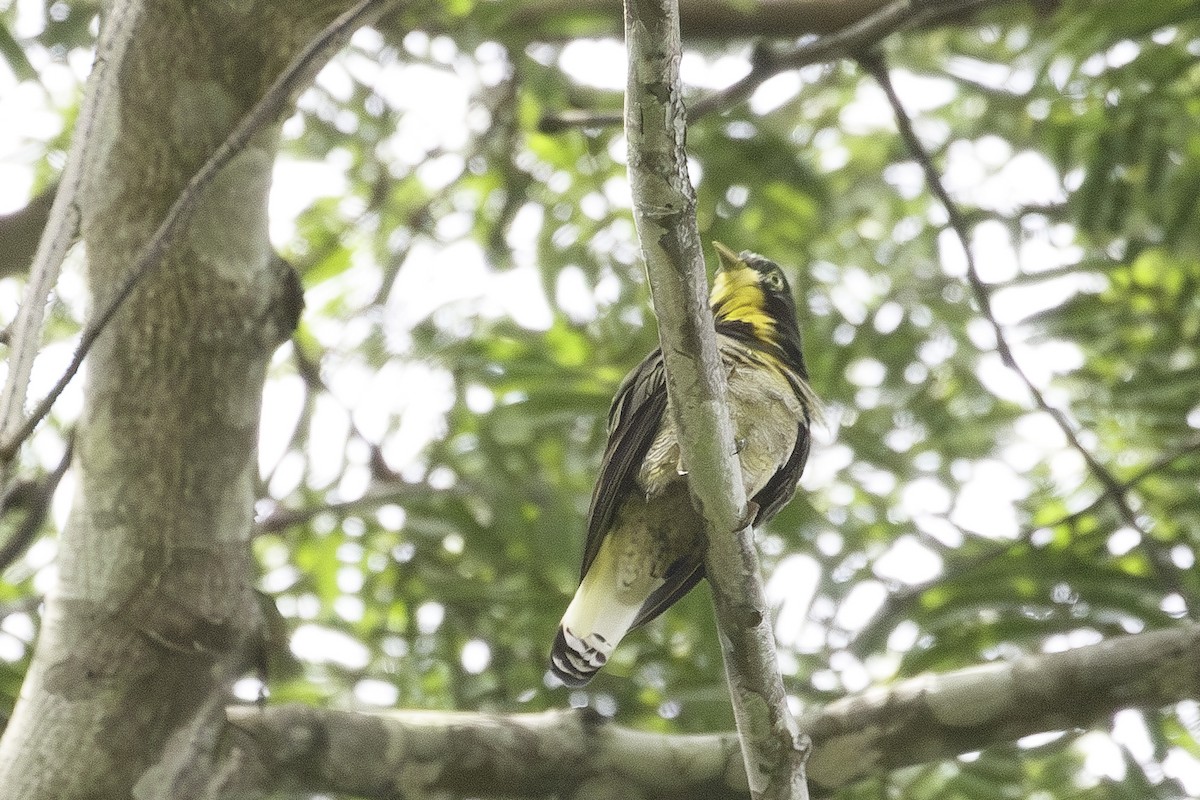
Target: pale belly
[765,412]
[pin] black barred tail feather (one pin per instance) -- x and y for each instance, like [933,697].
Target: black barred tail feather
[603,610]
[574,661]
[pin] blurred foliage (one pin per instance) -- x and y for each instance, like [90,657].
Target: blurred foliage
[475,297]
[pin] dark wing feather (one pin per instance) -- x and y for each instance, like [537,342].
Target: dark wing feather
[779,490]
[687,572]
[679,580]
[633,421]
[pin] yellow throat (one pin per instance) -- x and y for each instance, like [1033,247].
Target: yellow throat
[737,295]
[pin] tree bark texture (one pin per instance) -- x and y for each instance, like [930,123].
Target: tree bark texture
[151,617]
[580,756]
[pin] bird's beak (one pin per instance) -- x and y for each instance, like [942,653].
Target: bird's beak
[729,259]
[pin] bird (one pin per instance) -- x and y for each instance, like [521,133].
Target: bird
[645,541]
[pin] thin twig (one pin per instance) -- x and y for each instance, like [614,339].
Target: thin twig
[309,370]
[36,502]
[380,495]
[767,63]
[852,39]
[298,74]
[1120,490]
[1026,537]
[1113,489]
[899,599]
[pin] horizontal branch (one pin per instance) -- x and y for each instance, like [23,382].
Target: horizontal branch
[578,754]
[698,19]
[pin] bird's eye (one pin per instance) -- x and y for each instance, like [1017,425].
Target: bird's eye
[774,281]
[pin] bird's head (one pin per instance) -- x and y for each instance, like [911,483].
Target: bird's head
[751,293]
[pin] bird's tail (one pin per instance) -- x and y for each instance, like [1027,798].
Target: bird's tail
[574,660]
[602,612]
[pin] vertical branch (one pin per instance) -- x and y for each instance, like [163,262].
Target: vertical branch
[664,209]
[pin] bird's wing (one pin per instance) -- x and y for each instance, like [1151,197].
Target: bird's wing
[633,421]
[782,485]
[679,580]
[687,572]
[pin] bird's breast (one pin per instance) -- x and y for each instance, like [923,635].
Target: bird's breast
[765,411]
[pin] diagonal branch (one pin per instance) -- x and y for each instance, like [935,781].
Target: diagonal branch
[25,334]
[896,16]
[971,563]
[298,74]
[767,63]
[898,600]
[1113,489]
[665,213]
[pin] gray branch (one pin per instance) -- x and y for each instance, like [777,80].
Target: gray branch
[664,210]
[25,335]
[576,755]
[700,19]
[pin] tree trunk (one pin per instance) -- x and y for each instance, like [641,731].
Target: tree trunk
[151,617]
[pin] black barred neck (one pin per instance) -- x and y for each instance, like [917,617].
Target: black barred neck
[745,333]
